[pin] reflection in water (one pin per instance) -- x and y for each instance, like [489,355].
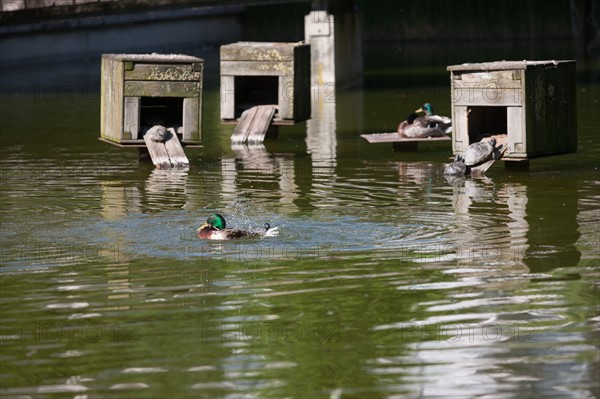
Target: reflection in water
[118,200]
[163,190]
[321,142]
[287,186]
[333,113]
[254,169]
[541,256]
[167,189]
[518,226]
[587,221]
[483,240]
[460,322]
[476,333]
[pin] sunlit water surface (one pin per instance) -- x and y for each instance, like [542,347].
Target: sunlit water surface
[385,281]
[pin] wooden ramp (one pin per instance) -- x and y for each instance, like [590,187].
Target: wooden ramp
[253,124]
[400,143]
[168,154]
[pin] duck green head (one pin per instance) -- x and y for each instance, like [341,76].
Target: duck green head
[215,221]
[427,108]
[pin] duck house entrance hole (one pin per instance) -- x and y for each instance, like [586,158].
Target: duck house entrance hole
[166,111]
[251,91]
[486,121]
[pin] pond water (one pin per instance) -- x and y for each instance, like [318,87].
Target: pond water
[385,281]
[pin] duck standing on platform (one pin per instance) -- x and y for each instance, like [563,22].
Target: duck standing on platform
[428,125]
[215,229]
[419,127]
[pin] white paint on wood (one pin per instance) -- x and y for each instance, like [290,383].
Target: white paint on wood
[460,123]
[317,23]
[158,58]
[176,155]
[486,96]
[253,124]
[502,65]
[259,51]
[516,130]
[191,119]
[489,83]
[320,36]
[167,154]
[261,124]
[254,68]
[168,72]
[131,117]
[158,153]
[241,131]
[227,97]
[285,97]
[146,88]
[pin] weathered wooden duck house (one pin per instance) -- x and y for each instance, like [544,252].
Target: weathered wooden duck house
[142,90]
[533,103]
[255,74]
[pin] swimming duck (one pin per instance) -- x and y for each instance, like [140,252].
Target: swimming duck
[420,127]
[215,229]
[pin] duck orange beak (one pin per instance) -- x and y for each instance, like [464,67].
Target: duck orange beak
[419,110]
[203,226]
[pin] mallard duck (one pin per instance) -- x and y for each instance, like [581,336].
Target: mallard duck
[420,127]
[442,122]
[215,229]
[427,108]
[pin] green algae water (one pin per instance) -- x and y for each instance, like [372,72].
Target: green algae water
[385,280]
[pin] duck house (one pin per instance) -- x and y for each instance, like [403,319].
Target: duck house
[139,91]
[533,103]
[256,74]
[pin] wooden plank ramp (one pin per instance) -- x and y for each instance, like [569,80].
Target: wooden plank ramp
[253,124]
[168,154]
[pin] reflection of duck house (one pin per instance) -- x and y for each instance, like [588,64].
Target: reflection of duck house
[255,73]
[532,102]
[142,90]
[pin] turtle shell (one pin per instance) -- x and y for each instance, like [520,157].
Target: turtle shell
[479,152]
[157,133]
[456,168]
